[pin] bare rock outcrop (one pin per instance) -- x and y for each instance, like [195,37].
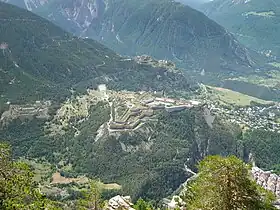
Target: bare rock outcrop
[269,181]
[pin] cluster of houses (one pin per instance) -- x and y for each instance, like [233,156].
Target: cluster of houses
[254,117]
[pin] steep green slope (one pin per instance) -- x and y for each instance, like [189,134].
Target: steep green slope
[147,161]
[163,29]
[41,55]
[39,61]
[254,23]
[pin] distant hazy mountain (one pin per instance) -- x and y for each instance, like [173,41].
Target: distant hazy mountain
[193,3]
[256,23]
[161,28]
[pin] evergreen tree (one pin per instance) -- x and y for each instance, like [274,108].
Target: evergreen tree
[226,184]
[91,198]
[17,189]
[142,205]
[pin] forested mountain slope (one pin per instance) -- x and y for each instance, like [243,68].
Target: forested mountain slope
[163,29]
[39,60]
[255,23]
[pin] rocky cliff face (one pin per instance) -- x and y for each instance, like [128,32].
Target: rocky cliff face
[78,15]
[265,179]
[28,4]
[269,181]
[163,29]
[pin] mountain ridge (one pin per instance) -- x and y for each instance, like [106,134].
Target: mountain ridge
[130,30]
[41,55]
[254,23]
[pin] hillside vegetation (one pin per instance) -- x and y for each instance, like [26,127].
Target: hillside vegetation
[20,191]
[163,29]
[254,23]
[39,61]
[226,183]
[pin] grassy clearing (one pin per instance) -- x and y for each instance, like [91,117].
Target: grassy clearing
[271,80]
[58,179]
[111,186]
[42,171]
[231,97]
